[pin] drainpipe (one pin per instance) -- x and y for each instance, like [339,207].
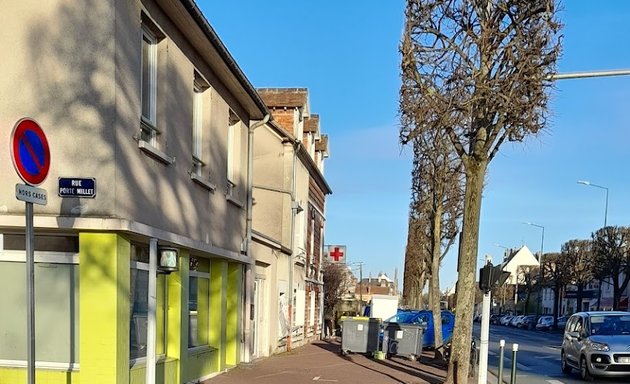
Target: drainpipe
[246,353]
[294,212]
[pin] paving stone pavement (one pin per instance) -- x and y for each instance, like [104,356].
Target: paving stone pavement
[321,362]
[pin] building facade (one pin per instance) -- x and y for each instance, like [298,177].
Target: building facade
[142,97]
[302,304]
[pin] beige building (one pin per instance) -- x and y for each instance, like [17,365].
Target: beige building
[302,207]
[142,97]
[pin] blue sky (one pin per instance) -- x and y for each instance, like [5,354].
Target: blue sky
[346,54]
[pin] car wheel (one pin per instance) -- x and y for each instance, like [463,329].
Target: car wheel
[585,374]
[566,368]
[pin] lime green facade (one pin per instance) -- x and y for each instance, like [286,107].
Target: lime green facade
[104,326]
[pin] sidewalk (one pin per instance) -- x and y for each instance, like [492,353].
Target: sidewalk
[321,362]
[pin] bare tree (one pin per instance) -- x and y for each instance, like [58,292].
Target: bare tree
[437,189]
[577,259]
[530,276]
[416,266]
[611,256]
[478,71]
[337,281]
[556,276]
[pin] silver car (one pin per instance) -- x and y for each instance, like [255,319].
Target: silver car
[597,344]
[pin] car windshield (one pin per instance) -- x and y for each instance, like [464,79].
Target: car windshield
[610,325]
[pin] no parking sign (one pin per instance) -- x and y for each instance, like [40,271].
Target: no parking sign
[30,152]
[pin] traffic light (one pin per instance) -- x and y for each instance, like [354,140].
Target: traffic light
[492,276]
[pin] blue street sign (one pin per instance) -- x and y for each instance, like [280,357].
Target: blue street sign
[77,187]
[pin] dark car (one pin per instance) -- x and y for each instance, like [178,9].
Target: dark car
[528,322]
[494,319]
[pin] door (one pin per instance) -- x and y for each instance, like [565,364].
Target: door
[259,328]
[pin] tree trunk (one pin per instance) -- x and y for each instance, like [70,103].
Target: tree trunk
[459,363]
[434,290]
[579,296]
[556,300]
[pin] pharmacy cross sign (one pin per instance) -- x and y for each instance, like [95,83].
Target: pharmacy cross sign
[337,253]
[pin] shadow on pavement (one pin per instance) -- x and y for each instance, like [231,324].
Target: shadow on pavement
[425,369]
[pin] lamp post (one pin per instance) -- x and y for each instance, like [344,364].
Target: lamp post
[588,183]
[540,262]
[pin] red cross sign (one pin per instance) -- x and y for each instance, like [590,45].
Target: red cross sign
[337,253]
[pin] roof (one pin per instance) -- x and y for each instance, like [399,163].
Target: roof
[285,97]
[255,105]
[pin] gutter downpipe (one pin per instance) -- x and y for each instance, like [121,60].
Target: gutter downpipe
[294,213]
[246,351]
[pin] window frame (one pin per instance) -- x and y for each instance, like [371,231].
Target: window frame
[45,257]
[204,345]
[149,120]
[142,266]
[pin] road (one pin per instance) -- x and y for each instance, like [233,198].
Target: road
[537,359]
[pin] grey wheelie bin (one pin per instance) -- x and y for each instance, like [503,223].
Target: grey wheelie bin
[403,339]
[359,335]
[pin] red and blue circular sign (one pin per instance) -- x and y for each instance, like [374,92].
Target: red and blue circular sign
[30,152]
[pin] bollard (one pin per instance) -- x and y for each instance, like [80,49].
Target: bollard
[514,350]
[501,349]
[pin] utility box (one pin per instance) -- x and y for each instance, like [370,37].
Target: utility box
[359,335]
[403,339]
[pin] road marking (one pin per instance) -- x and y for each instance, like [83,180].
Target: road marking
[319,378]
[523,367]
[555,382]
[545,357]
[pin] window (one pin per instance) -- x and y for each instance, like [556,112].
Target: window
[198,302]
[139,306]
[56,301]
[149,85]
[199,89]
[233,156]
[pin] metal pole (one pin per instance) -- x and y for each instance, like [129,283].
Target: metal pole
[606,210]
[501,351]
[540,291]
[361,289]
[583,75]
[30,292]
[514,351]
[485,331]
[151,313]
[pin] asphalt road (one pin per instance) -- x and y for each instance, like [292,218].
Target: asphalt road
[537,359]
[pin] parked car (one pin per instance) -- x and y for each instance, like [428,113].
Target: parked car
[516,320]
[596,344]
[425,317]
[544,323]
[494,318]
[528,322]
[505,320]
[562,322]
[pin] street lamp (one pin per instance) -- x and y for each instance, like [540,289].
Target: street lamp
[588,183]
[540,262]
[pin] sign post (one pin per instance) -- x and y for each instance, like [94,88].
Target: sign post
[31,159]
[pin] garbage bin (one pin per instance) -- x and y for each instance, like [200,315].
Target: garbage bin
[403,339]
[359,335]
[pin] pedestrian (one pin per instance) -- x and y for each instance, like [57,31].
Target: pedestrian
[328,324]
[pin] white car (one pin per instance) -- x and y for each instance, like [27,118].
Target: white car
[544,323]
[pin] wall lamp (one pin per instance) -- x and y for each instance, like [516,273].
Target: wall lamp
[168,261]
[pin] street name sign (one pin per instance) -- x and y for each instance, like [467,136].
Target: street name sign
[77,187]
